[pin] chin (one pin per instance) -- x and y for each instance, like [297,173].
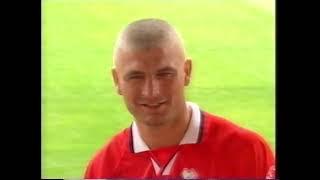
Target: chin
[154,121]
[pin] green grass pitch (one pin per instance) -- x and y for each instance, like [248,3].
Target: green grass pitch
[231,43]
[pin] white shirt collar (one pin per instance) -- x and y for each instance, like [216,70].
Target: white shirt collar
[190,137]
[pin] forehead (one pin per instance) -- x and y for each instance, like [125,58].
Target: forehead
[148,59]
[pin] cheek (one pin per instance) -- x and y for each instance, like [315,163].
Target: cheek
[130,91]
[173,88]
[129,97]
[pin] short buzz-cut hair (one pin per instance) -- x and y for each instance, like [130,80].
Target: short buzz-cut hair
[146,34]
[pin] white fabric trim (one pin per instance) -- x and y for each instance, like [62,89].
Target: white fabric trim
[167,170]
[191,136]
[155,166]
[138,144]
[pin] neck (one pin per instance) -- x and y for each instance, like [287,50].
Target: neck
[168,134]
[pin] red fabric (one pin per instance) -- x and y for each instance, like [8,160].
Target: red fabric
[224,150]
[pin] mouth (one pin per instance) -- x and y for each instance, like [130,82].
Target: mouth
[153,105]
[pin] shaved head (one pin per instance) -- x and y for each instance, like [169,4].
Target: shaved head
[146,34]
[150,72]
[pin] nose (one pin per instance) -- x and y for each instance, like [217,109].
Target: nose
[151,88]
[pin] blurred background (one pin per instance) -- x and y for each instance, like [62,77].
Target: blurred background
[231,43]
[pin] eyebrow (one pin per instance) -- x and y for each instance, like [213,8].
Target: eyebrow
[133,72]
[136,72]
[166,69]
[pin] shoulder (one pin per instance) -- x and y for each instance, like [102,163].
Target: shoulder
[238,145]
[222,130]
[118,143]
[105,160]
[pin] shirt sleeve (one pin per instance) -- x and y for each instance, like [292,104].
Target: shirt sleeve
[265,161]
[102,165]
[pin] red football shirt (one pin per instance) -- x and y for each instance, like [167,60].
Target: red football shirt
[212,147]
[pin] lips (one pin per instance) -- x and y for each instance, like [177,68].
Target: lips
[153,106]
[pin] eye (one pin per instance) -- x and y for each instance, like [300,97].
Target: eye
[166,74]
[135,77]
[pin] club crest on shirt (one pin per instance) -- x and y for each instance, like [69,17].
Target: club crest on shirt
[271,174]
[189,173]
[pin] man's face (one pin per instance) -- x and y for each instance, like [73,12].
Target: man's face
[152,83]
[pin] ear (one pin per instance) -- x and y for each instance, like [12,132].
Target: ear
[116,80]
[187,71]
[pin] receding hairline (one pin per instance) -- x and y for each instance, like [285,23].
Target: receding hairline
[148,33]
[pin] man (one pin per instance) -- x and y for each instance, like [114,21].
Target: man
[169,136]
